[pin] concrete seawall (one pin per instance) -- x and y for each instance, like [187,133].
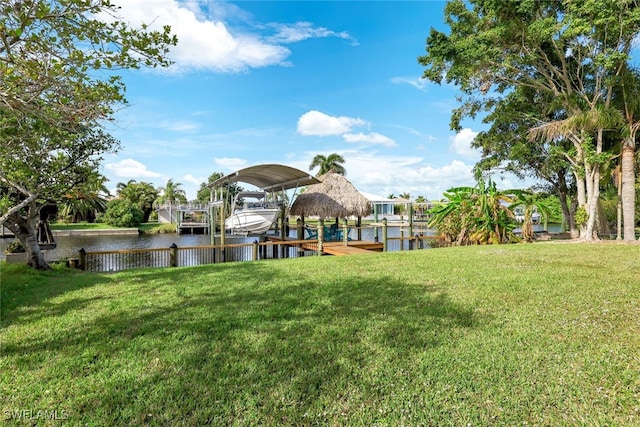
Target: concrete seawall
[97,232]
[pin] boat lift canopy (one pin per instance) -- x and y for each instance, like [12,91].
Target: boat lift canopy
[270,177]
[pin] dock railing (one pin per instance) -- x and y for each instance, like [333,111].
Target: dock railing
[174,256]
[408,238]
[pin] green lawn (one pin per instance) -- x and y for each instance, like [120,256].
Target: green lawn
[146,228]
[542,334]
[80,226]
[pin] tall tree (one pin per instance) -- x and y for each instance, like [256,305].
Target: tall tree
[172,193]
[506,147]
[228,190]
[332,162]
[573,51]
[53,103]
[629,101]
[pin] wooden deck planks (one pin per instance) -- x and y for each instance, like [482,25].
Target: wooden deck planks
[338,248]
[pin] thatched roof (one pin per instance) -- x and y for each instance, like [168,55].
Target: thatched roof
[334,197]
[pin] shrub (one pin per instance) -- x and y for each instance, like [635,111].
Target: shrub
[15,247]
[122,213]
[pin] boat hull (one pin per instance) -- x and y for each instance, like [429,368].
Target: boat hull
[251,221]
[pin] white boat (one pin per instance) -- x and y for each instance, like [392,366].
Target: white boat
[252,214]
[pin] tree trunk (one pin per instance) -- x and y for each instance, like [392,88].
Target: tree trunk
[581,194]
[568,211]
[628,193]
[24,228]
[618,182]
[592,181]
[588,231]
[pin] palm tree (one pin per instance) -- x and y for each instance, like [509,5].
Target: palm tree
[530,202]
[172,192]
[332,162]
[142,194]
[420,201]
[630,88]
[85,200]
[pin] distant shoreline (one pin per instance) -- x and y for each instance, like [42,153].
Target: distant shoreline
[97,232]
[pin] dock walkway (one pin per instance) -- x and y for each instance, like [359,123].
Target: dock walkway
[353,247]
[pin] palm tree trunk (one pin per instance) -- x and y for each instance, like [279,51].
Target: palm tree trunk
[628,192]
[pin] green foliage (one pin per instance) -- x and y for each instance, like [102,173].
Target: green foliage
[58,90]
[581,215]
[15,247]
[530,203]
[475,215]
[122,213]
[228,190]
[156,228]
[543,73]
[85,201]
[332,162]
[172,193]
[142,194]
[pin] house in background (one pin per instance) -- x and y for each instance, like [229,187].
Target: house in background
[382,205]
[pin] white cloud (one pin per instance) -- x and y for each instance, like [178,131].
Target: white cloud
[129,168]
[230,163]
[202,43]
[461,144]
[418,83]
[291,33]
[315,123]
[380,174]
[193,180]
[206,43]
[383,176]
[370,138]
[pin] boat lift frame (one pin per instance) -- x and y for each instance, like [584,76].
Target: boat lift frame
[270,178]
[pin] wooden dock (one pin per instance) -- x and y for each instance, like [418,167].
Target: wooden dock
[353,247]
[193,228]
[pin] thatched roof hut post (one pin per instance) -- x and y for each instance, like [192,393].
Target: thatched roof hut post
[333,197]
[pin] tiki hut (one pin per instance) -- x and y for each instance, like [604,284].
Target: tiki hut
[333,197]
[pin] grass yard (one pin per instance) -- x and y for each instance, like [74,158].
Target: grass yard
[145,228]
[541,334]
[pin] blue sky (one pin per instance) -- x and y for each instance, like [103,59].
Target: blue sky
[279,82]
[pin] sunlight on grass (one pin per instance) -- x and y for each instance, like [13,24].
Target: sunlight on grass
[543,334]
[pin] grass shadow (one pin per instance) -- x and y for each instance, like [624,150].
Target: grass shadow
[241,343]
